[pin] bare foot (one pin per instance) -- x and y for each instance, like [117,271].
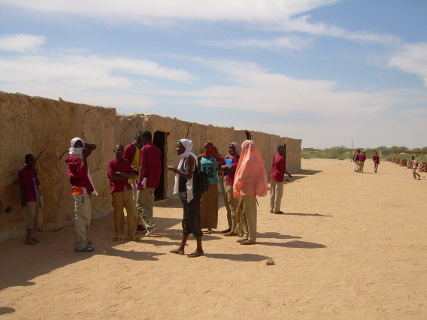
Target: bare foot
[230,234]
[241,240]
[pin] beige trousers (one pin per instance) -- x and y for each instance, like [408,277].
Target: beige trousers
[32,215]
[232,203]
[125,200]
[223,187]
[82,217]
[276,194]
[145,206]
[246,215]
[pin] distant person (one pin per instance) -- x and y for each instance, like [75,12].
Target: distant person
[376,159]
[209,161]
[149,178]
[187,187]
[231,161]
[278,171]
[356,160]
[131,153]
[81,188]
[119,170]
[415,174]
[30,197]
[250,181]
[362,159]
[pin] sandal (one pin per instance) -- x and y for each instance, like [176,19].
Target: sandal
[177,251]
[196,254]
[247,242]
[241,240]
[133,238]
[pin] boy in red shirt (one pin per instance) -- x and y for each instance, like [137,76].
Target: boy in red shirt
[362,158]
[81,188]
[119,170]
[30,196]
[278,171]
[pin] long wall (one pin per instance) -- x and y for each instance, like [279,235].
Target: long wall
[44,128]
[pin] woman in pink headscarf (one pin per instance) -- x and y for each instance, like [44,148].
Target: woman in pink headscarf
[250,181]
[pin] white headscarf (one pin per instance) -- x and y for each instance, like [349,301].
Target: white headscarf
[78,152]
[188,145]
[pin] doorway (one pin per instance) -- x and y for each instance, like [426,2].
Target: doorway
[160,141]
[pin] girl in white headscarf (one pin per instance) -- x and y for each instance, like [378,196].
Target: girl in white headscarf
[186,184]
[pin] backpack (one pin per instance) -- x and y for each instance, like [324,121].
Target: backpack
[203,180]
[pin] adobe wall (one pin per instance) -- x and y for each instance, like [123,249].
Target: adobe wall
[44,128]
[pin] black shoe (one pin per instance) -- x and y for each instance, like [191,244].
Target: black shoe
[140,227]
[86,249]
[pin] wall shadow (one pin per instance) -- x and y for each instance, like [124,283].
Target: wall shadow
[304,214]
[294,244]
[237,257]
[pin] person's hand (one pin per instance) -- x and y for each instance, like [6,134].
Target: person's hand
[172,168]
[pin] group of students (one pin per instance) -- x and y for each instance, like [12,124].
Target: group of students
[359,159]
[134,174]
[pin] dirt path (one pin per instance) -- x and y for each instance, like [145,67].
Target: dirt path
[349,246]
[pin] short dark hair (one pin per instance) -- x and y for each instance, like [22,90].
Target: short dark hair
[28,156]
[147,134]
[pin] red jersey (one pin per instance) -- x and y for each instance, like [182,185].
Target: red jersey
[27,177]
[124,166]
[78,175]
[150,160]
[362,157]
[278,168]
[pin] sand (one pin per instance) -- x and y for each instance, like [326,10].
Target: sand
[348,246]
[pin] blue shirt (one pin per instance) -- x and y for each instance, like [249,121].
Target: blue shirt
[209,166]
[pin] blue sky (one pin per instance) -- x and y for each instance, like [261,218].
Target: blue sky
[331,72]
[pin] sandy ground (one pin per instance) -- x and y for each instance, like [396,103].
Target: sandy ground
[349,246]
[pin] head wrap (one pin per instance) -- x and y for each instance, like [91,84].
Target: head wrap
[250,170]
[77,152]
[236,146]
[188,145]
[213,153]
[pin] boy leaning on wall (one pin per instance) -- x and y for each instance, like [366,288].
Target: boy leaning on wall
[30,196]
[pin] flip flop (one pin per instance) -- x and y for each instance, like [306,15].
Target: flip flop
[177,251]
[195,254]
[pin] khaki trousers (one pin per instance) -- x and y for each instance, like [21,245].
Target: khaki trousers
[223,186]
[32,215]
[246,215]
[145,206]
[276,194]
[232,203]
[82,217]
[122,200]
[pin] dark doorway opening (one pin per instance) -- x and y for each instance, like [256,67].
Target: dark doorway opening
[159,140]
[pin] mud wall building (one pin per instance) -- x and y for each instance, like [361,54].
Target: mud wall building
[44,128]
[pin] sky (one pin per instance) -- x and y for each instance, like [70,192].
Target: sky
[330,72]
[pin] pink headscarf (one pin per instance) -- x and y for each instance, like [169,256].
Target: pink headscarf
[250,170]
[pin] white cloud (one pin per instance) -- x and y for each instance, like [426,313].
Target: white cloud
[412,59]
[293,43]
[85,71]
[21,42]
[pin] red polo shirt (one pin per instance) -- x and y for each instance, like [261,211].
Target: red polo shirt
[278,168]
[78,175]
[27,177]
[150,159]
[124,166]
